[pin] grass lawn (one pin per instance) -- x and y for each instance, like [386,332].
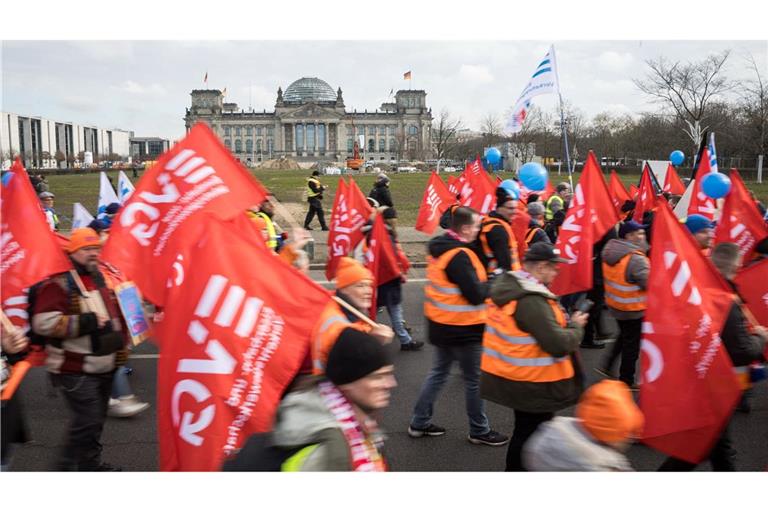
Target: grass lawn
[288,186]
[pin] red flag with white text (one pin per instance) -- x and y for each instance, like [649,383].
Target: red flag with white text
[360,212]
[700,202]
[646,195]
[633,191]
[197,177]
[232,341]
[741,222]
[380,258]
[347,220]
[478,193]
[436,200]
[589,217]
[619,193]
[672,182]
[688,388]
[753,288]
[31,252]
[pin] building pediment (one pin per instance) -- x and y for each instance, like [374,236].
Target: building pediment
[310,111]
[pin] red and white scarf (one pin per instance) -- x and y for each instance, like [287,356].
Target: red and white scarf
[363,449]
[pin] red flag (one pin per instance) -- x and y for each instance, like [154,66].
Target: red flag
[436,200]
[646,197]
[30,250]
[672,182]
[454,185]
[589,217]
[198,176]
[633,191]
[358,203]
[475,168]
[380,258]
[520,223]
[478,193]
[741,222]
[700,202]
[619,193]
[347,220]
[689,388]
[231,342]
[753,288]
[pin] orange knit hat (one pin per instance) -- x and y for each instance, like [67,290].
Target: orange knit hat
[82,237]
[351,271]
[609,413]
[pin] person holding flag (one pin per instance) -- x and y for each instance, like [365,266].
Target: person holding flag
[456,313]
[625,279]
[527,363]
[496,243]
[743,348]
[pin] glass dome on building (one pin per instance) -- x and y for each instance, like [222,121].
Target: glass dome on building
[308,89]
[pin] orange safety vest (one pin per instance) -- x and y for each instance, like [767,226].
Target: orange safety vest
[619,293]
[444,302]
[513,354]
[531,233]
[326,331]
[487,225]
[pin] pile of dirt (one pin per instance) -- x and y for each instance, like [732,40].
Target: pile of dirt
[282,163]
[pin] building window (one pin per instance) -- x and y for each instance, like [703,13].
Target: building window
[238,131]
[321,136]
[413,130]
[258,130]
[299,136]
[249,130]
[382,145]
[270,145]
[371,130]
[227,131]
[311,137]
[228,144]
[258,146]
[371,145]
[270,131]
[392,129]
[392,144]
[238,146]
[350,145]
[350,131]
[249,146]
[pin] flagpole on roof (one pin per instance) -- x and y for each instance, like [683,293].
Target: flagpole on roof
[562,122]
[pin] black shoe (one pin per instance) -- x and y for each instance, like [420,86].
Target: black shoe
[308,228]
[491,438]
[594,344]
[325,228]
[431,431]
[413,345]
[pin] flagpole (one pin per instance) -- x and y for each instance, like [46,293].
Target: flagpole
[565,140]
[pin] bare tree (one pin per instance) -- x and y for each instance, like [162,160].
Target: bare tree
[536,126]
[491,128]
[444,134]
[754,107]
[687,88]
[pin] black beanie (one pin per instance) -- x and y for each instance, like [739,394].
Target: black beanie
[355,355]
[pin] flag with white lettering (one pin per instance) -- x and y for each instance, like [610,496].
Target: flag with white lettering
[196,177]
[435,201]
[543,81]
[231,342]
[741,222]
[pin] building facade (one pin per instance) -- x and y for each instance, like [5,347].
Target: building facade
[310,122]
[148,148]
[43,143]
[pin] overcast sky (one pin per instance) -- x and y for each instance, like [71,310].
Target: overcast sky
[144,86]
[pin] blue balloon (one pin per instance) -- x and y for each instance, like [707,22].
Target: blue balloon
[511,187]
[533,175]
[493,156]
[677,157]
[716,185]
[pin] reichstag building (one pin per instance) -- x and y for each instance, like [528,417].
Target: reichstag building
[310,123]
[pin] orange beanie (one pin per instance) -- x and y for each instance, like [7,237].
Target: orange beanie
[609,413]
[82,237]
[351,271]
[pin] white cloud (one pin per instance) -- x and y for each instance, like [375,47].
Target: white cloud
[78,103]
[259,97]
[131,87]
[613,86]
[475,74]
[613,61]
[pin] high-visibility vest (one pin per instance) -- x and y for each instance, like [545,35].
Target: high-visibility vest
[444,302]
[531,233]
[620,294]
[513,354]
[326,331]
[310,193]
[548,213]
[271,232]
[487,225]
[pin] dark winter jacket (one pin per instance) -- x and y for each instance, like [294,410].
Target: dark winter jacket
[380,192]
[637,269]
[498,242]
[461,272]
[540,236]
[534,315]
[743,348]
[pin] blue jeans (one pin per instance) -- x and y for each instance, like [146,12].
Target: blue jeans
[398,322]
[121,386]
[468,357]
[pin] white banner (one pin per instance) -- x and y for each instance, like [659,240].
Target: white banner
[107,194]
[80,216]
[124,187]
[543,81]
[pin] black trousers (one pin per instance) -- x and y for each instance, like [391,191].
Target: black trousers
[526,424]
[592,329]
[628,346]
[722,457]
[315,207]
[87,397]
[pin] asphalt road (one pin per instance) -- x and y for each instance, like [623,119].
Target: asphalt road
[132,442]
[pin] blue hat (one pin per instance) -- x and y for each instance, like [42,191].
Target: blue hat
[112,208]
[98,225]
[696,223]
[628,227]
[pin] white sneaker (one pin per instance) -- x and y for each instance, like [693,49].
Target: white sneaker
[125,406]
